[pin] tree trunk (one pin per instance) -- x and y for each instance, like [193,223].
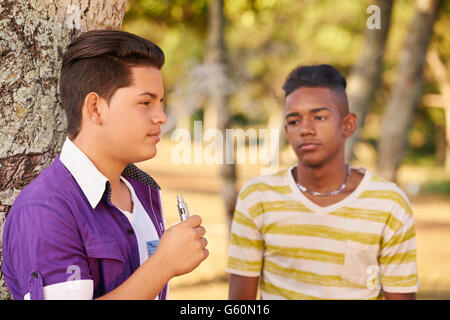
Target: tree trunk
[216,59]
[439,72]
[407,91]
[441,145]
[365,76]
[33,36]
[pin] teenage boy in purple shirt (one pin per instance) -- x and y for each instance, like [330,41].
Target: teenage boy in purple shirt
[77,230]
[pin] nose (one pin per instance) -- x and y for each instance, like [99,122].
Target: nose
[307,128]
[159,116]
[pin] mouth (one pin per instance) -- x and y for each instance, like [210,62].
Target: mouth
[155,135]
[308,146]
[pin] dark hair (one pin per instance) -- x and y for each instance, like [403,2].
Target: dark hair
[322,75]
[100,61]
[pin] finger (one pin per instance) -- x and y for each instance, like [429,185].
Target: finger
[200,231]
[194,221]
[203,242]
[205,253]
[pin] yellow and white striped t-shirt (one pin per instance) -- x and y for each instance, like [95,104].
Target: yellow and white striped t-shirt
[348,250]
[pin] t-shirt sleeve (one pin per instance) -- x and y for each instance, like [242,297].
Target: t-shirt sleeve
[398,264]
[246,244]
[44,257]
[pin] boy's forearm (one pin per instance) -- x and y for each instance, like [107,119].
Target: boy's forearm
[144,284]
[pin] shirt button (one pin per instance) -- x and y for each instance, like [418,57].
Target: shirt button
[34,274]
[130,231]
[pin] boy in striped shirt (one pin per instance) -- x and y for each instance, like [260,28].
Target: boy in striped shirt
[320,229]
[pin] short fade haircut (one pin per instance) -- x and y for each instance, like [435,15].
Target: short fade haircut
[100,61]
[323,75]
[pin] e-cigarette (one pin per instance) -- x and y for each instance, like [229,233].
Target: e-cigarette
[182,208]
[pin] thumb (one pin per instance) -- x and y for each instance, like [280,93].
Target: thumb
[194,221]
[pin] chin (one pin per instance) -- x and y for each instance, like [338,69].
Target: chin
[310,160]
[143,156]
[150,155]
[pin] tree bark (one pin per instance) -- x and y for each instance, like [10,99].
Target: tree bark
[216,59]
[364,79]
[33,36]
[407,91]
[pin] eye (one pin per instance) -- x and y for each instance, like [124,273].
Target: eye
[292,122]
[320,117]
[146,103]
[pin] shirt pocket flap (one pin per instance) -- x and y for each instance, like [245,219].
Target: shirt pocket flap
[104,248]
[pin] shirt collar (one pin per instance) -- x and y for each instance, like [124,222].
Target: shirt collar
[91,181]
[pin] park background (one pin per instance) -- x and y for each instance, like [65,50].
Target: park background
[226,62]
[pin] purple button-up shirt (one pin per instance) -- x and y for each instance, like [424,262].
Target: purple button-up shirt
[52,230]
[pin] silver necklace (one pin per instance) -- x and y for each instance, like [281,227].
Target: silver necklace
[332,193]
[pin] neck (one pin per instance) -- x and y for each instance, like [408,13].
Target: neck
[322,178]
[103,161]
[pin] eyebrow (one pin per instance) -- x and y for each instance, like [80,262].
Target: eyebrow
[292,114]
[151,94]
[315,110]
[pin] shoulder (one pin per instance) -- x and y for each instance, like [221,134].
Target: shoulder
[276,183]
[386,194]
[51,195]
[53,183]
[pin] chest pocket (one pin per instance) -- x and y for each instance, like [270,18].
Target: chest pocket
[106,264]
[361,265]
[104,248]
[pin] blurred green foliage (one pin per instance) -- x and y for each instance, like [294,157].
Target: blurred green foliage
[438,187]
[266,39]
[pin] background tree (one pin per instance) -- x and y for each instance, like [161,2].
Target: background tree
[33,37]
[216,58]
[407,91]
[365,76]
[441,100]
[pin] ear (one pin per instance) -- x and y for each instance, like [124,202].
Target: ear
[93,108]
[350,124]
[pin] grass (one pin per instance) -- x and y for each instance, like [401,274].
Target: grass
[200,186]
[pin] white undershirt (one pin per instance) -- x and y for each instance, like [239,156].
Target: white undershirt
[142,225]
[144,229]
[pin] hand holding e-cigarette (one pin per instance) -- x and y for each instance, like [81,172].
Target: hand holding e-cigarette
[183,246]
